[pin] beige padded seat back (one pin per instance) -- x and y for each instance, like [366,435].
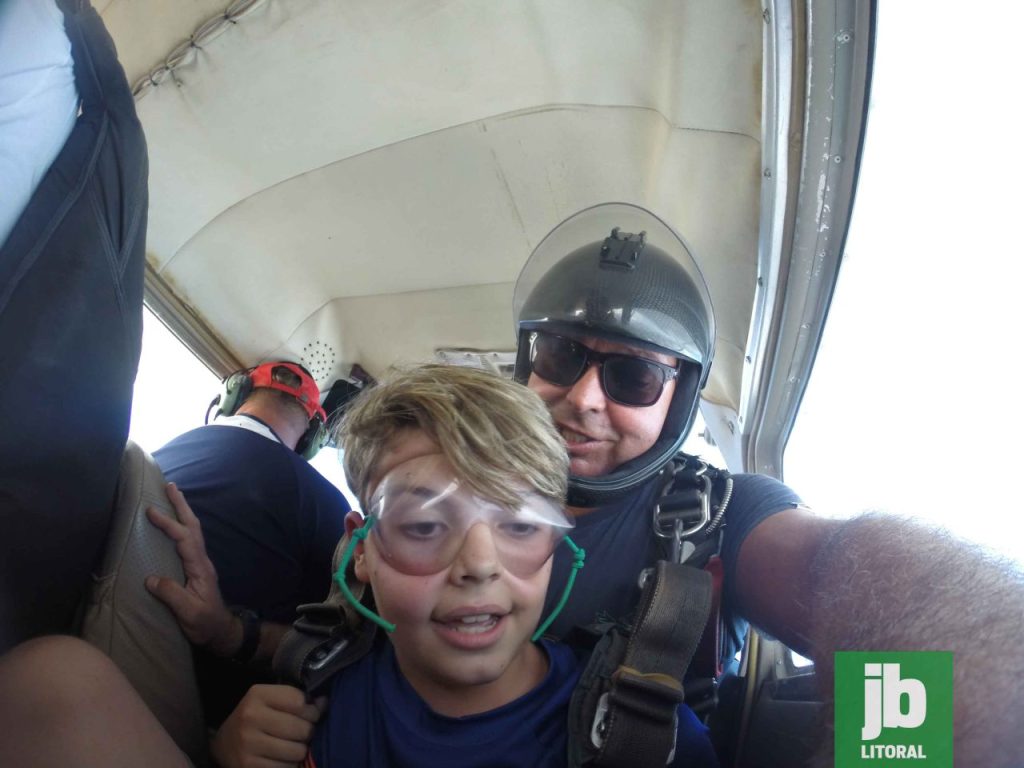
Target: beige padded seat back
[130,625]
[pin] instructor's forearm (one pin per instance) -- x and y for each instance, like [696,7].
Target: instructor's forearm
[886,584]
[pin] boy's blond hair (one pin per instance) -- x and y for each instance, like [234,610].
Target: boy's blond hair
[496,434]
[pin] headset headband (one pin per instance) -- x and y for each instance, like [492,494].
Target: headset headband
[308,394]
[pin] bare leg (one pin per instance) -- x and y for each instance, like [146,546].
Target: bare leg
[63,702]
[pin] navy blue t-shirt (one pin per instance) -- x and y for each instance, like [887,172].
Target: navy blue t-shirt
[620,543]
[271,523]
[375,718]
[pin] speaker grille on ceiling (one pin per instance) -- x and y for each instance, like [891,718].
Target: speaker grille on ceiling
[319,358]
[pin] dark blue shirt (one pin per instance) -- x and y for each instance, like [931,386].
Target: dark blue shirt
[620,543]
[271,523]
[375,718]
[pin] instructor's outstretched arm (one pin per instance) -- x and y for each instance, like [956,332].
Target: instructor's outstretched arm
[883,583]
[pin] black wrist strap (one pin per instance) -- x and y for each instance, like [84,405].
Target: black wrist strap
[250,634]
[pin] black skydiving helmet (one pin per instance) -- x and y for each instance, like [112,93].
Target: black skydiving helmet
[617,271]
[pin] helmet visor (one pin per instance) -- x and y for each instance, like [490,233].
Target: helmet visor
[661,302]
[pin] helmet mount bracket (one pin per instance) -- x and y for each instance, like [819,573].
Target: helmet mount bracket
[621,250]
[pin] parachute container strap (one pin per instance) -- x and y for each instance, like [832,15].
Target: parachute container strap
[640,723]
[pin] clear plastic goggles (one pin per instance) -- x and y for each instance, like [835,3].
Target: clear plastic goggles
[423,514]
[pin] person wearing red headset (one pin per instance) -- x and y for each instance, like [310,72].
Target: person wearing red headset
[270,521]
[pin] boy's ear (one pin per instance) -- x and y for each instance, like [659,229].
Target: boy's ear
[353,522]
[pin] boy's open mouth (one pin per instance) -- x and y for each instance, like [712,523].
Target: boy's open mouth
[474,625]
[472,629]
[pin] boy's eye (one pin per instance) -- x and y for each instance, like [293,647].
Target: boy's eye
[426,529]
[520,530]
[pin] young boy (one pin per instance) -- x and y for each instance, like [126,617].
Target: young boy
[461,476]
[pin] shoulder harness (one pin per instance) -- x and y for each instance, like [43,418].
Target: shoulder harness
[689,519]
[624,709]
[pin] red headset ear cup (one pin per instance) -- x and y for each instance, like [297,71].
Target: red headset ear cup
[312,440]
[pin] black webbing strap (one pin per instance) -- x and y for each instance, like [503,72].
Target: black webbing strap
[639,726]
[706,667]
[327,636]
[681,503]
[320,644]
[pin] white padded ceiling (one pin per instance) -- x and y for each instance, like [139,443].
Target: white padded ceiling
[371,176]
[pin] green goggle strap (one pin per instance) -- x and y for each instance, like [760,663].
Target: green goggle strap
[339,577]
[578,555]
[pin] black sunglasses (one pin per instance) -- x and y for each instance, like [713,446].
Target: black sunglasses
[625,379]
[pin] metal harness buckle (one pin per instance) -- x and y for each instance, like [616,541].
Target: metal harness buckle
[672,526]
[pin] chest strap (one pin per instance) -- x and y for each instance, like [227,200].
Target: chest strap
[624,710]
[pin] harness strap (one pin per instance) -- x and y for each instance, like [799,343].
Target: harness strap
[319,645]
[706,669]
[638,726]
[326,638]
[689,515]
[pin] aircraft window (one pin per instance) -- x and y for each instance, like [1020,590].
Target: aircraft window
[172,389]
[328,463]
[919,347]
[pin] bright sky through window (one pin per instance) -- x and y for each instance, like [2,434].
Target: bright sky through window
[913,406]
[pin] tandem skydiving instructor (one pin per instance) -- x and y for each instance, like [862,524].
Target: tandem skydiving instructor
[616,334]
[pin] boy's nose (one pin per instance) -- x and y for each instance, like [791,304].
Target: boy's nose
[478,557]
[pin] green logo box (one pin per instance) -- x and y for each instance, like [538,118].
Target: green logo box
[894,709]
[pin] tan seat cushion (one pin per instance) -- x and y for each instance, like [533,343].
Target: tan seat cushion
[131,626]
